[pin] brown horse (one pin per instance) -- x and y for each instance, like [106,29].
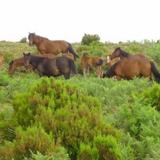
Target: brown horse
[1,60]
[91,62]
[131,66]
[19,62]
[60,65]
[14,64]
[46,46]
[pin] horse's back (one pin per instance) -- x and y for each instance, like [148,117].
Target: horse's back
[53,47]
[133,66]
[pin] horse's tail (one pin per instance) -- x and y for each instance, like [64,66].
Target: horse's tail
[72,66]
[155,72]
[71,50]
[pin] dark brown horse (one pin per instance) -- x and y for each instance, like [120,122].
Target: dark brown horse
[130,66]
[19,62]
[46,46]
[60,65]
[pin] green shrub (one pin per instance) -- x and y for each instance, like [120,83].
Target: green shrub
[88,39]
[141,121]
[88,152]
[108,148]
[63,110]
[23,40]
[59,155]
[152,96]
[32,139]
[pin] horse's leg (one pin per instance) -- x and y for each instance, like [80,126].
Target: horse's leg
[88,70]
[117,77]
[99,71]
[84,71]
[66,75]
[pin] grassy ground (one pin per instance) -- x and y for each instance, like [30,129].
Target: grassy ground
[121,101]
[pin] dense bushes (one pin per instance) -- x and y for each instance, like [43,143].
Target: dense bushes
[65,115]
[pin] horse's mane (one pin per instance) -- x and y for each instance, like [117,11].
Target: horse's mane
[123,53]
[40,38]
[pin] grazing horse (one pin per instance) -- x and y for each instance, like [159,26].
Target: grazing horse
[51,66]
[46,46]
[130,66]
[90,62]
[118,52]
[19,62]
[1,60]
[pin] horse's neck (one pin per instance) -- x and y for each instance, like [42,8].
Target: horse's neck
[124,54]
[40,39]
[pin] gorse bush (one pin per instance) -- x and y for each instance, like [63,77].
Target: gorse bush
[141,121]
[32,139]
[66,114]
[88,152]
[59,155]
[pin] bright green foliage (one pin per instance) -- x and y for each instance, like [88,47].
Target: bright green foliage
[32,139]
[141,122]
[59,155]
[152,96]
[67,112]
[88,152]
[108,148]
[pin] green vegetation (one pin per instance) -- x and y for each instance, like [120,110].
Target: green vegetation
[80,118]
[88,39]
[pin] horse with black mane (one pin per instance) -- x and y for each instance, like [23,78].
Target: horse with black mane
[60,65]
[130,66]
[46,46]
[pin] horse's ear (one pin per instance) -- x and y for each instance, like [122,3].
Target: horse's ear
[24,54]
[29,54]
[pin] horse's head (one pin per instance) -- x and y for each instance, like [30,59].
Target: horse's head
[117,53]
[31,38]
[27,57]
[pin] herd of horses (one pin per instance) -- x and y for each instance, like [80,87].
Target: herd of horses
[58,58]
